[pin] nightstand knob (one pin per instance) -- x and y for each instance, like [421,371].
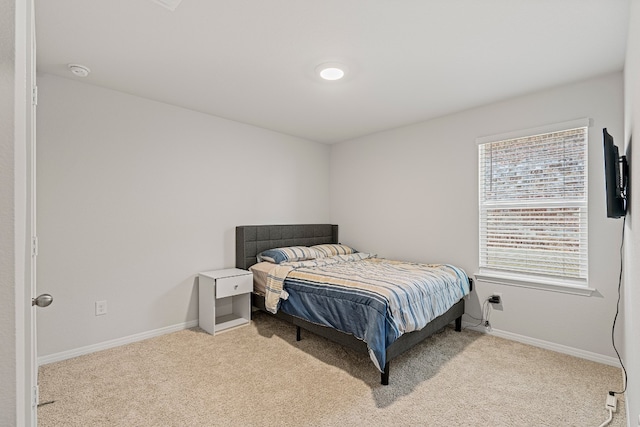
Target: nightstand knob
[235,287]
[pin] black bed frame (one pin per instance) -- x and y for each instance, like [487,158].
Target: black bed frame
[253,239]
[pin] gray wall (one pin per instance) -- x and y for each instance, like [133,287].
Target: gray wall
[631,294]
[421,181]
[8,391]
[135,197]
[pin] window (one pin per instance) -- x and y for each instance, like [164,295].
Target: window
[533,207]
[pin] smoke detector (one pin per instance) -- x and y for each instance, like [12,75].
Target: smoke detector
[79,70]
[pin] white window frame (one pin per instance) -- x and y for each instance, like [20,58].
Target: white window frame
[578,286]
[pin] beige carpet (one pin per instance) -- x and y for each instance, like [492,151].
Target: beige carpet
[259,375]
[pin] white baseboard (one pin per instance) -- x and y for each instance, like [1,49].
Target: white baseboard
[583,354]
[57,357]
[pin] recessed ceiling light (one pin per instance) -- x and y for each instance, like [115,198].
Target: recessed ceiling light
[331,71]
[79,70]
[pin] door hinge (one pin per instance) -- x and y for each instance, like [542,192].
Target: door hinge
[34,96]
[35,396]
[34,246]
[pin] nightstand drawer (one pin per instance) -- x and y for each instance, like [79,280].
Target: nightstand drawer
[228,286]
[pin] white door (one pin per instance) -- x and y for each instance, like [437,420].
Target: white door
[24,208]
[42,300]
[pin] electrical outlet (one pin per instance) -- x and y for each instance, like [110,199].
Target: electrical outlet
[101,308]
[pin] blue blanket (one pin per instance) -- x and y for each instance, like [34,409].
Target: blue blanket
[375,300]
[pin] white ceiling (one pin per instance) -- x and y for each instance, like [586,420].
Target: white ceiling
[253,61]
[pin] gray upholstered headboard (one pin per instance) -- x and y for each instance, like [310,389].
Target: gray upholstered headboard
[253,239]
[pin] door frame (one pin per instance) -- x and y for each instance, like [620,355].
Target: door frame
[24,210]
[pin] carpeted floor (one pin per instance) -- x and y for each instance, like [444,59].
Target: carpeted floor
[259,375]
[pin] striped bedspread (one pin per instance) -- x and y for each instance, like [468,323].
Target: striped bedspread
[376,300]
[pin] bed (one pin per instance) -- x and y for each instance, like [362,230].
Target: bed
[255,239]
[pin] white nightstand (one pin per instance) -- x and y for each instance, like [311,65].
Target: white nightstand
[224,299]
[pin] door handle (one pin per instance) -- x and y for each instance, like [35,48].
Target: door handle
[43,300]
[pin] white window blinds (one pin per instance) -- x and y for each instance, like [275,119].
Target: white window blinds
[533,205]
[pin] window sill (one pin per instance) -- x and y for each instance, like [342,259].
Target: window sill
[534,283]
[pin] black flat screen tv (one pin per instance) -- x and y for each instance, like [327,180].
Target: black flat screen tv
[615,174]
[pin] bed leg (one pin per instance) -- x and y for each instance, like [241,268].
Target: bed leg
[384,376]
[298,333]
[459,324]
